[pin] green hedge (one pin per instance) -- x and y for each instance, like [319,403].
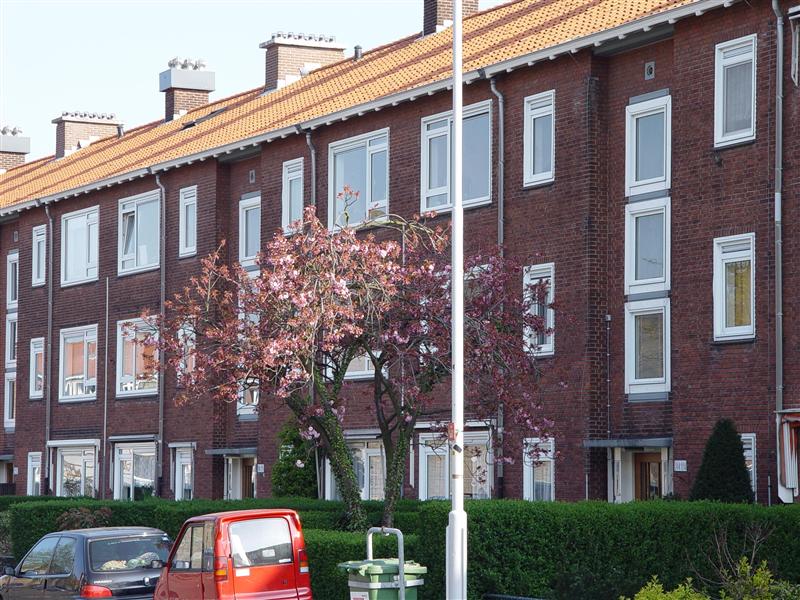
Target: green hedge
[599,550]
[7,501]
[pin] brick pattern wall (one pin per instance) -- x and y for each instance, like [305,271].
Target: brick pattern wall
[9,160]
[178,101]
[69,133]
[284,62]
[437,12]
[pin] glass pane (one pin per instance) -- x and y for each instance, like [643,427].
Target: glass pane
[379,185]
[128,233]
[73,367]
[437,482]
[738,103]
[37,479]
[77,245]
[437,162]
[351,170]
[252,231]
[146,377]
[64,557]
[183,554]
[128,366]
[38,560]
[738,294]
[295,200]
[91,367]
[11,400]
[91,251]
[39,260]
[88,477]
[144,470]
[649,332]
[147,234]
[125,467]
[542,476]
[650,246]
[127,554]
[650,147]
[71,472]
[260,542]
[38,373]
[12,337]
[196,560]
[476,472]
[186,481]
[376,477]
[437,200]
[477,154]
[14,281]
[190,225]
[543,144]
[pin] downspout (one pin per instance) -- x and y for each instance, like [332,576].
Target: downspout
[784,493]
[49,370]
[104,447]
[313,154]
[162,312]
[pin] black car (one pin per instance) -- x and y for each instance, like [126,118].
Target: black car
[107,562]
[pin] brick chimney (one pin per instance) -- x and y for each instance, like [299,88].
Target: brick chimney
[13,148]
[439,14]
[76,130]
[290,56]
[187,85]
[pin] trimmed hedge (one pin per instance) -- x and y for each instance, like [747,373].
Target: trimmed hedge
[7,501]
[599,550]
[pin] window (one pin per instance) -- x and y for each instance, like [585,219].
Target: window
[749,447]
[436,152]
[260,542]
[794,21]
[36,389]
[360,367]
[434,469]
[647,346]
[184,470]
[648,133]
[541,343]
[64,557]
[538,470]
[38,560]
[34,474]
[249,230]
[134,471]
[362,164]
[12,280]
[734,92]
[75,474]
[137,360]
[539,141]
[11,341]
[369,464]
[79,233]
[187,339]
[78,364]
[195,550]
[139,222]
[734,287]
[187,222]
[292,193]
[647,246]
[247,403]
[38,255]
[10,401]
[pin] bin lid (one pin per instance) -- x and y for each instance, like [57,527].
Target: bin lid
[388,566]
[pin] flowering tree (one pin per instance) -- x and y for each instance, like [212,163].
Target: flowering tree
[322,298]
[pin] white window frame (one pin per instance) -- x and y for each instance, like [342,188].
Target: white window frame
[662,104]
[89,333]
[247,410]
[425,193]
[721,332]
[361,448]
[794,23]
[292,170]
[83,452]
[748,43]
[183,456]
[749,439]
[546,454]
[34,462]
[11,341]
[92,217]
[12,280]
[123,336]
[37,347]
[119,449]
[536,106]
[633,211]
[125,206]
[650,385]
[349,144]
[9,411]
[248,203]
[188,197]
[532,274]
[471,438]
[38,234]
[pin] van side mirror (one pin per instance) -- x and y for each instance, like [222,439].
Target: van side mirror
[157,564]
[10,571]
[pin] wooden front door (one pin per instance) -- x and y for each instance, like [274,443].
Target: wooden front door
[647,468]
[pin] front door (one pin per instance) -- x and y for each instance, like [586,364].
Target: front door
[263,559]
[647,469]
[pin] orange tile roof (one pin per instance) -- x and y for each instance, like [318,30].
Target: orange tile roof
[516,29]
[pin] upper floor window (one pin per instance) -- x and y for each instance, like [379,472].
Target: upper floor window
[647,246]
[540,280]
[360,164]
[648,134]
[292,193]
[10,401]
[36,389]
[249,229]
[187,222]
[247,404]
[11,341]
[139,221]
[78,364]
[437,149]
[539,141]
[136,359]
[12,280]
[734,91]
[538,472]
[79,235]
[734,287]
[361,367]
[38,255]
[647,346]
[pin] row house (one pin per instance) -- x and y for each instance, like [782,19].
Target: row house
[640,156]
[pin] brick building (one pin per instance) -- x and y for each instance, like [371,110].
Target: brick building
[637,173]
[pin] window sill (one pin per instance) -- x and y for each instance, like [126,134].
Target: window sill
[13,307]
[142,394]
[735,143]
[545,354]
[534,184]
[35,397]
[187,254]
[449,208]
[11,365]
[247,418]
[75,399]
[121,273]
[647,397]
[731,341]
[9,428]
[38,284]
[65,284]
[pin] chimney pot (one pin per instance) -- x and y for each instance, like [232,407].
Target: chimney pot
[291,55]
[439,14]
[358,53]
[186,84]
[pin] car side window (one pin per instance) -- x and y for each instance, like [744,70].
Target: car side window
[64,557]
[208,546]
[183,554]
[38,560]
[197,548]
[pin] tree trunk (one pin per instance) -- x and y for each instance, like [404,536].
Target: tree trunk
[396,456]
[345,475]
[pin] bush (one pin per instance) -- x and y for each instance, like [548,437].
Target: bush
[84,517]
[289,479]
[655,591]
[723,474]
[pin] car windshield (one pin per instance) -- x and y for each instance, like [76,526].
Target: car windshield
[127,554]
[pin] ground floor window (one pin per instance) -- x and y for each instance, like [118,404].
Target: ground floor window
[76,469]
[240,477]
[749,448]
[434,467]
[34,474]
[134,471]
[184,474]
[538,473]
[369,463]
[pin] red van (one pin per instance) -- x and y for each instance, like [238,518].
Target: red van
[238,555]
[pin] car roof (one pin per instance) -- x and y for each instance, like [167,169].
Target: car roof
[234,515]
[111,532]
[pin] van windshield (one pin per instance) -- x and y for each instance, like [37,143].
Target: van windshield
[127,554]
[260,542]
